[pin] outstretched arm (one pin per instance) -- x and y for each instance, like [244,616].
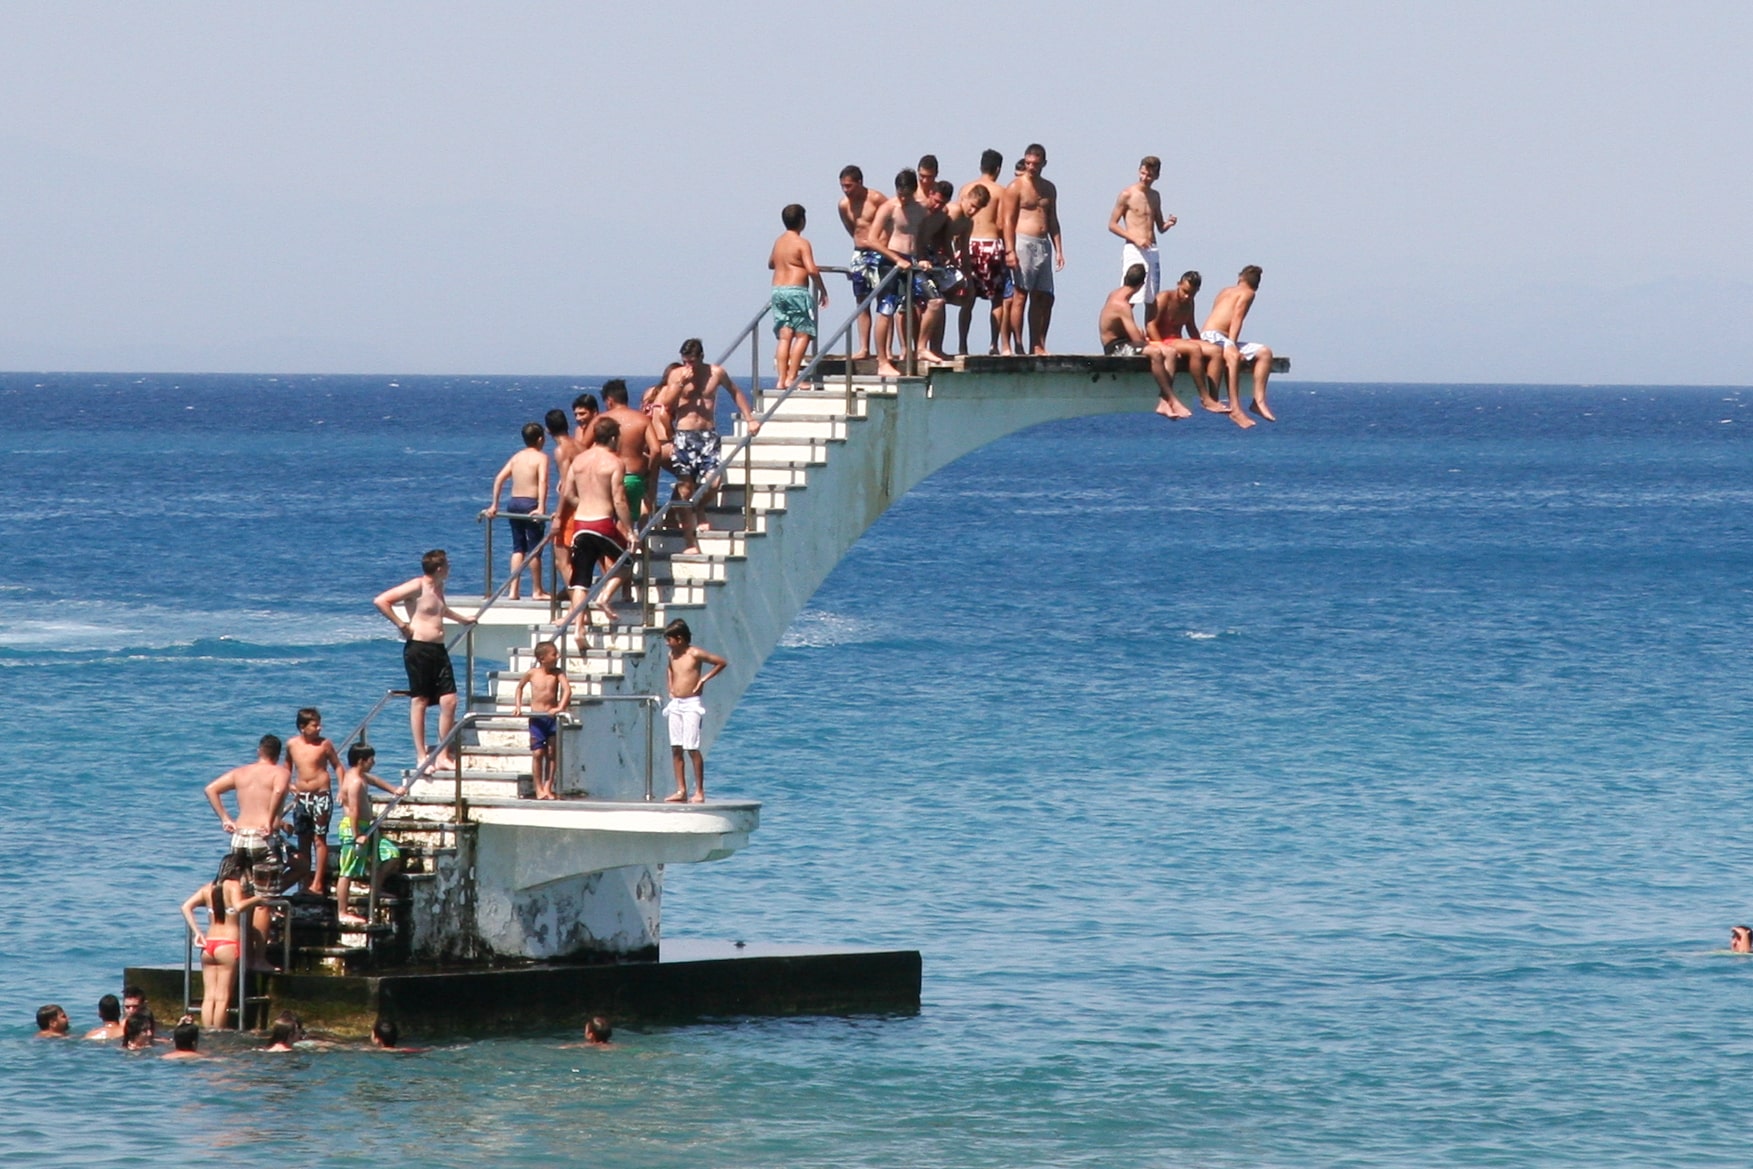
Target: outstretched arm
[196,898]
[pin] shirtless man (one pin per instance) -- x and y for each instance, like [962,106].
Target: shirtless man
[1032,243]
[566,448]
[602,523]
[1121,337]
[1137,217]
[927,172]
[858,208]
[690,398]
[260,790]
[1223,328]
[894,233]
[424,656]
[986,270]
[315,764]
[794,273]
[950,256]
[527,473]
[1172,327]
[639,447]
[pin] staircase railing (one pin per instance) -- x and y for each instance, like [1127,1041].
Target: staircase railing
[637,550]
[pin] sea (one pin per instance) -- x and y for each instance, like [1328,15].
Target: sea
[1368,789]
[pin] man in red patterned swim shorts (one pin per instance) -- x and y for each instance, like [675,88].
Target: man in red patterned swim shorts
[988,274]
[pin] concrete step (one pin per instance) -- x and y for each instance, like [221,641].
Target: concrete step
[766,499]
[477,785]
[798,449]
[763,475]
[716,542]
[795,426]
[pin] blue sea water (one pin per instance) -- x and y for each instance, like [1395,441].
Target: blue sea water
[1364,790]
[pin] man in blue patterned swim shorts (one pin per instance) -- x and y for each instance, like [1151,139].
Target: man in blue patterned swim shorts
[690,397]
[857,210]
[794,272]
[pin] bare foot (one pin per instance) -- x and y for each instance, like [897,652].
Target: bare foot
[698,799]
[933,356]
[1241,419]
[1039,351]
[448,762]
[678,798]
[865,356]
[610,617]
[1168,411]
[1259,408]
[691,550]
[539,595]
[350,919]
[1215,406]
[887,369]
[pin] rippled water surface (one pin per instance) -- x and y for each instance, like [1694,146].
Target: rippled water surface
[1365,790]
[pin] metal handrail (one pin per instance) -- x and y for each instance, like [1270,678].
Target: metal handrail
[482,517]
[715,479]
[243,951]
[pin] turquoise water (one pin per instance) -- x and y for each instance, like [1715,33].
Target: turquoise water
[1365,790]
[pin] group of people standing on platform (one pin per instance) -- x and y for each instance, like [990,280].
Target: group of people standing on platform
[1001,243]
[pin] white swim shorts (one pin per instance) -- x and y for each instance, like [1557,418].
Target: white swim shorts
[685,715]
[1131,254]
[1249,350]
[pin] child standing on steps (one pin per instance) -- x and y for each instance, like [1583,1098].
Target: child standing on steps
[356,818]
[550,693]
[685,710]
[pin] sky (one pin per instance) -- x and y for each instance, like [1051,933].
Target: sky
[1532,192]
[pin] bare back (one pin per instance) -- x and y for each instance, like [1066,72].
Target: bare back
[529,473]
[792,261]
[1117,323]
[259,789]
[596,478]
[1229,310]
[984,222]
[635,444]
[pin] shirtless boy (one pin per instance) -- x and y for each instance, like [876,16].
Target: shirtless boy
[1121,337]
[109,1011]
[984,265]
[260,790]
[639,448]
[355,818]
[566,446]
[1030,217]
[1223,328]
[595,497]
[794,273]
[895,234]
[1172,327]
[313,761]
[424,656]
[550,694]
[944,248]
[685,710]
[1137,217]
[858,207]
[527,472]
[690,399]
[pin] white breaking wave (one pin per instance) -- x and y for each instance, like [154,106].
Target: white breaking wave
[815,629]
[75,626]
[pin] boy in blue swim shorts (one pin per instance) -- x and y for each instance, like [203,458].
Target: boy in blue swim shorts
[550,693]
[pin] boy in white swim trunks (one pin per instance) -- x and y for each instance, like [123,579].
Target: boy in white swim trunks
[1137,217]
[1223,328]
[685,709]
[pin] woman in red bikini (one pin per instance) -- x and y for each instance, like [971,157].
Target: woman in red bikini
[219,943]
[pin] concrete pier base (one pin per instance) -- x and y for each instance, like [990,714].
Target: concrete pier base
[691,981]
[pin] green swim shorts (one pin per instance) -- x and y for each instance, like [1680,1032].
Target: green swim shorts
[635,485]
[791,310]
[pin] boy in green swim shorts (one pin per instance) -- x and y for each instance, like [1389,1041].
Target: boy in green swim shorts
[356,816]
[794,272]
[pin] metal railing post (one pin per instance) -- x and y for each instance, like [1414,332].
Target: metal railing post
[910,329]
[469,667]
[244,930]
[189,961]
[650,747]
[487,559]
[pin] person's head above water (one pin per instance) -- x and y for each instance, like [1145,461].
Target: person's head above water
[1741,939]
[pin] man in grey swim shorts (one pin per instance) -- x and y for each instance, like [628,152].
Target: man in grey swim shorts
[1033,243]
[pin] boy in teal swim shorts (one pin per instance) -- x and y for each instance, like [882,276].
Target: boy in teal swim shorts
[794,272]
[355,817]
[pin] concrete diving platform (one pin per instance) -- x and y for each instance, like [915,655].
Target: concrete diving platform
[690,982]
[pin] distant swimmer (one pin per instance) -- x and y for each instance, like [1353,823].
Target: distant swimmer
[260,791]
[109,1013]
[1033,244]
[1172,327]
[52,1022]
[139,1032]
[1741,939]
[798,292]
[286,1030]
[1137,217]
[424,656]
[527,473]
[858,207]
[686,711]
[1121,337]
[1223,328]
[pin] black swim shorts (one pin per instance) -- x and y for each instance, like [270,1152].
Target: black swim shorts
[429,672]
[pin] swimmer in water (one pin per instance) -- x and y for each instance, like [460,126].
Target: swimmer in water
[1741,939]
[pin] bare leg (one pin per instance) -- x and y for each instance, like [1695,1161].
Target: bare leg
[344,900]
[1040,317]
[885,327]
[320,864]
[685,514]
[782,357]
[930,327]
[800,352]
[964,318]
[1013,324]
[1163,370]
[1262,371]
[447,718]
[699,778]
[417,723]
[863,336]
[1232,362]
[515,569]
[681,794]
